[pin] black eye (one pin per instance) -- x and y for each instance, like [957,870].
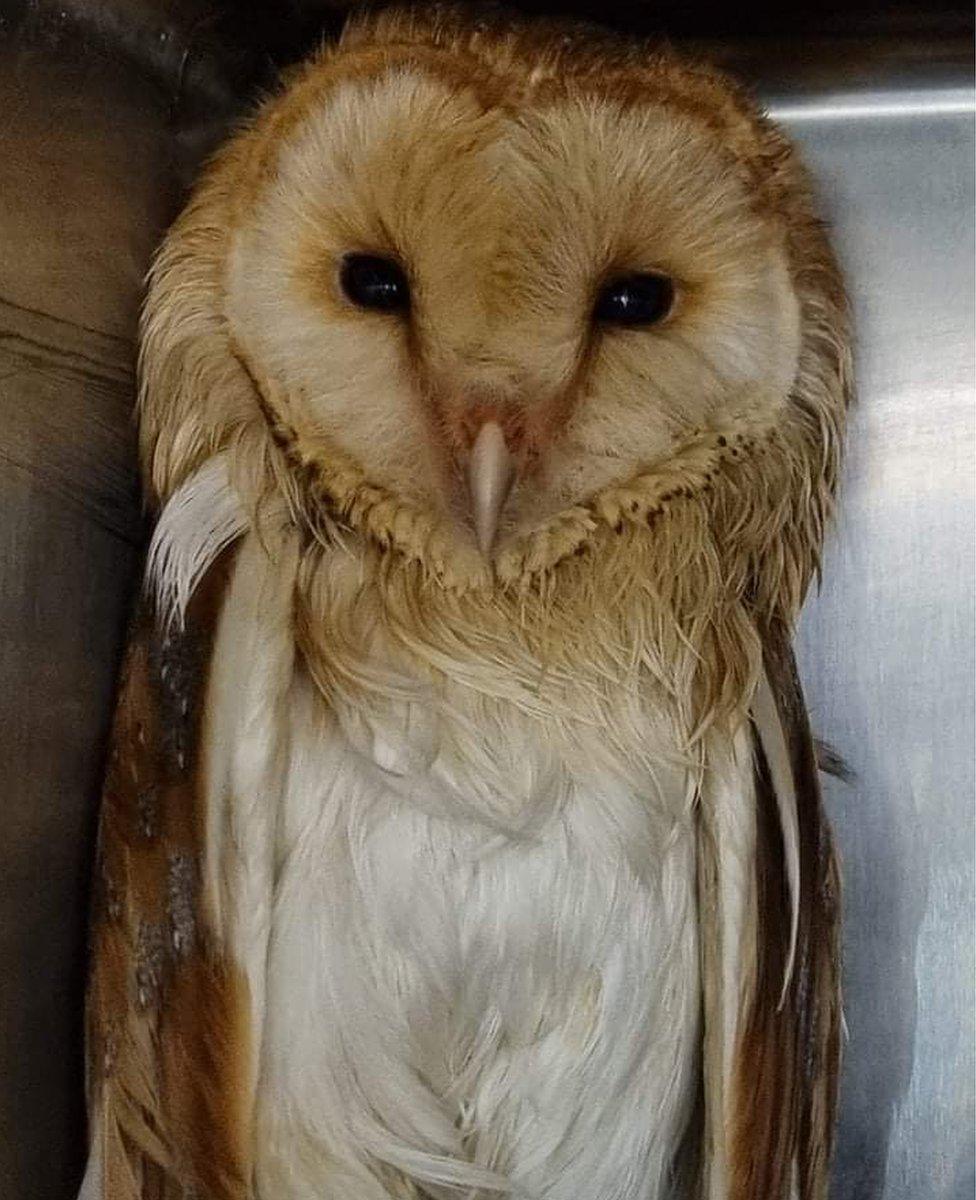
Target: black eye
[635,300]
[374,282]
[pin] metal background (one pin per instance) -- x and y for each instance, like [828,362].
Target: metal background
[887,648]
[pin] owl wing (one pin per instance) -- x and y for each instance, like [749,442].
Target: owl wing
[770,922]
[167,1033]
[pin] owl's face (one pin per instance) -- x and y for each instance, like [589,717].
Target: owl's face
[498,290]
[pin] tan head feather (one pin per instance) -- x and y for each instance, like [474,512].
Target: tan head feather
[512,172]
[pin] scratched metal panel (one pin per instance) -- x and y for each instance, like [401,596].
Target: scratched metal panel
[887,648]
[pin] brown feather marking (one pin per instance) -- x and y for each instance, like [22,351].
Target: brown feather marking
[204,1049]
[763,1100]
[785,1082]
[818,973]
[160,998]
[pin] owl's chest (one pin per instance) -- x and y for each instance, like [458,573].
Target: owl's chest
[482,951]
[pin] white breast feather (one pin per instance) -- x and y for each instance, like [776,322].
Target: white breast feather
[470,934]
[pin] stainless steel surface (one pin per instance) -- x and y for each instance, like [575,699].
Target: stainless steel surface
[887,648]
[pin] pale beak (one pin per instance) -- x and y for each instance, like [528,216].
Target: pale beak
[491,472]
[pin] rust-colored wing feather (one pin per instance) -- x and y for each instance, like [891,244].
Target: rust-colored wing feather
[167,1036]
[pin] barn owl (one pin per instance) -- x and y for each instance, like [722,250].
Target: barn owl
[461,834]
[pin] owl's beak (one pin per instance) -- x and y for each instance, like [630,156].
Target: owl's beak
[491,472]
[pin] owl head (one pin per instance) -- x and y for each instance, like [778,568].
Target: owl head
[494,298]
